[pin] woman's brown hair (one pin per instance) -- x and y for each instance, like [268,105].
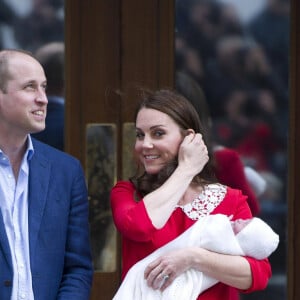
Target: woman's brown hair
[186,117]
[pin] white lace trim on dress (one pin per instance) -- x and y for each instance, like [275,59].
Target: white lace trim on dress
[211,196]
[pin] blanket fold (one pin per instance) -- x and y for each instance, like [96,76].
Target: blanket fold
[212,232]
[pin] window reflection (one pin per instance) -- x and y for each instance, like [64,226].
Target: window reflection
[101,175]
[29,24]
[236,52]
[37,26]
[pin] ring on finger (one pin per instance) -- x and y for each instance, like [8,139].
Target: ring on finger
[166,277]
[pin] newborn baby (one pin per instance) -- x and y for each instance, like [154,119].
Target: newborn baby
[252,237]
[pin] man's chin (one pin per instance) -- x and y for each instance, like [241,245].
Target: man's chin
[38,129]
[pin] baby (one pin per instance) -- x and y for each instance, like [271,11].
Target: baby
[252,237]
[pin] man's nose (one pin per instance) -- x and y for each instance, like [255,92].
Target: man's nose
[42,97]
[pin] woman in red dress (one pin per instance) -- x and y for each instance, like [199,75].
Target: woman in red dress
[173,188]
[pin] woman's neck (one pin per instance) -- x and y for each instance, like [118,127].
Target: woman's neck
[192,192]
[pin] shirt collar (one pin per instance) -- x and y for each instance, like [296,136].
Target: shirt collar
[29,150]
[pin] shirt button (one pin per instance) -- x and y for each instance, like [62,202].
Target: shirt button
[7,283]
[23,296]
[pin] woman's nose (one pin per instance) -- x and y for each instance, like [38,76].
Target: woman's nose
[147,143]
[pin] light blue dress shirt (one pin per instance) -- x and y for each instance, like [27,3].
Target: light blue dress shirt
[14,208]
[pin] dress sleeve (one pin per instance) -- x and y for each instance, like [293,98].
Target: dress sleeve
[130,216]
[261,273]
[261,269]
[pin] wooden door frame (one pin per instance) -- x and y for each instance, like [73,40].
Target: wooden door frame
[112,46]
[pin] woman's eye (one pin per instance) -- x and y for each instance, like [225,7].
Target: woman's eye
[139,135]
[158,133]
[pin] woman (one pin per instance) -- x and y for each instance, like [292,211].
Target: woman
[172,190]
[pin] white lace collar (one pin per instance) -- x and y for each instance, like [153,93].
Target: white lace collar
[211,196]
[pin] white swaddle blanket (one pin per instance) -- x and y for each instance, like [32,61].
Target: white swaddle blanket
[212,232]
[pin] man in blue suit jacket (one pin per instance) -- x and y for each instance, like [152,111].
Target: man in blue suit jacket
[44,230]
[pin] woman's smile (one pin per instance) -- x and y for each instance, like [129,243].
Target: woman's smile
[157,139]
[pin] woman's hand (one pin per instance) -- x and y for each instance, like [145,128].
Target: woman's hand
[193,154]
[161,272]
[232,270]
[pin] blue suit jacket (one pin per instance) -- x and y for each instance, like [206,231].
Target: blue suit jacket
[60,257]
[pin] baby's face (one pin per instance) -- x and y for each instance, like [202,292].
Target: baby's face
[239,224]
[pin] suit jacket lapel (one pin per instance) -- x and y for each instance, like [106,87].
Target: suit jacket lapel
[39,174]
[4,241]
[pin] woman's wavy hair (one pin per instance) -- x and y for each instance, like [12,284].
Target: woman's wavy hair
[185,116]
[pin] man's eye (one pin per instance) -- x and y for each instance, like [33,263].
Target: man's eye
[29,86]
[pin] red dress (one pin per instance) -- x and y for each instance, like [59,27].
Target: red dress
[230,171]
[140,237]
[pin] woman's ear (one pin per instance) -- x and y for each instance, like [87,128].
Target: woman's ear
[189,131]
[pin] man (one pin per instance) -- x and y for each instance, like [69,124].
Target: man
[44,231]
